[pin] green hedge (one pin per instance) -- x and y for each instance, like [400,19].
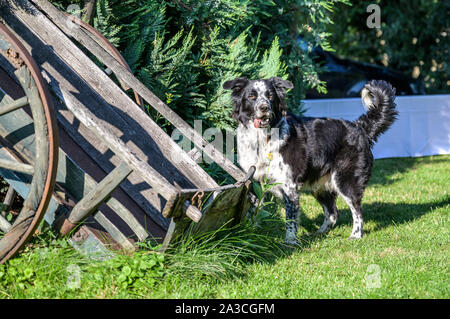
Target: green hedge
[184,50]
[413,38]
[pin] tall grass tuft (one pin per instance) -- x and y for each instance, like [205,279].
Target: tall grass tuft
[224,253]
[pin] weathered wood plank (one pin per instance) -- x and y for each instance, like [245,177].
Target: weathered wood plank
[5,225]
[150,175]
[129,218]
[72,178]
[113,231]
[78,182]
[17,104]
[81,36]
[205,195]
[169,235]
[221,206]
[9,197]
[90,202]
[17,167]
[144,144]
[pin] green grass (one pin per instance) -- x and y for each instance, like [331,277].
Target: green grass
[404,253]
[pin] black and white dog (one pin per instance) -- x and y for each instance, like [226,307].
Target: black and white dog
[329,156]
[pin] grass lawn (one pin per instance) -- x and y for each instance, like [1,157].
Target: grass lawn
[404,253]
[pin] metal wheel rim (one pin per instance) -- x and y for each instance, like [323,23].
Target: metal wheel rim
[36,211]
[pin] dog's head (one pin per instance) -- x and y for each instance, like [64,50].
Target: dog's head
[260,101]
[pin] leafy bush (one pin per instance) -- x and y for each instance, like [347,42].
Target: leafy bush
[51,268]
[48,267]
[184,50]
[138,272]
[413,38]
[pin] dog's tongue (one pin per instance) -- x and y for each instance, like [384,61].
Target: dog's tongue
[257,122]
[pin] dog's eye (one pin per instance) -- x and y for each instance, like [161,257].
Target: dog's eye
[271,97]
[252,97]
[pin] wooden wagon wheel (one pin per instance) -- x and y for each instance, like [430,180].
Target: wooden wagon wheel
[45,161]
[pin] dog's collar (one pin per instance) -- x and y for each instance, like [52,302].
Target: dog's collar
[283,127]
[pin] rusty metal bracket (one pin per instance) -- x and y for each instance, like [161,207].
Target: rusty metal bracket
[199,198]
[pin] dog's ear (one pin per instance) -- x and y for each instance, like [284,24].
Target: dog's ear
[281,86]
[236,85]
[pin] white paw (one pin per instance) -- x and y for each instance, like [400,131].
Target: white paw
[357,235]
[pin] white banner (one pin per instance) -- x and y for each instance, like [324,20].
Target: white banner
[422,127]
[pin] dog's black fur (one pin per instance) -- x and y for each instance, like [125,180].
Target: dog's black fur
[332,156]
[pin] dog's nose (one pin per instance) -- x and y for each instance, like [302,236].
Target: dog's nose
[264,107]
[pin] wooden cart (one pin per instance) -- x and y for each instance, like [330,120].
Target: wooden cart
[83,154]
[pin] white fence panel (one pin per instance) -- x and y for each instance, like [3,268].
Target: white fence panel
[422,127]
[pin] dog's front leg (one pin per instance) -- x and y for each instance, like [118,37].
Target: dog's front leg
[291,202]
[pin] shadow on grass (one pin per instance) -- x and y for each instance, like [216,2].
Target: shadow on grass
[384,214]
[384,169]
[229,252]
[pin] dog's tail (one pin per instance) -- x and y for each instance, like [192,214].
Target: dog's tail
[378,97]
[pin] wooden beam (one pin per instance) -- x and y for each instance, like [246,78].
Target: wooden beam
[9,197]
[92,200]
[137,120]
[128,218]
[150,175]
[17,104]
[110,105]
[76,182]
[17,167]
[113,231]
[82,37]
[5,225]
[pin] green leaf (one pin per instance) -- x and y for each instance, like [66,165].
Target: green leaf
[121,278]
[126,270]
[257,189]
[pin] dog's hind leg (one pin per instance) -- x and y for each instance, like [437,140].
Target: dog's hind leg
[351,191]
[328,202]
[352,198]
[355,208]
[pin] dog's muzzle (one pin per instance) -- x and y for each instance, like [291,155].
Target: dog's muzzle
[262,116]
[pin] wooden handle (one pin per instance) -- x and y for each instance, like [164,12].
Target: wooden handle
[192,212]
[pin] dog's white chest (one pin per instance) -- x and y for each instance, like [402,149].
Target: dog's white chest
[260,148]
[253,149]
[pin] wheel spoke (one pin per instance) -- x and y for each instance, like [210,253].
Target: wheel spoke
[4,109]
[16,166]
[9,197]
[5,226]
